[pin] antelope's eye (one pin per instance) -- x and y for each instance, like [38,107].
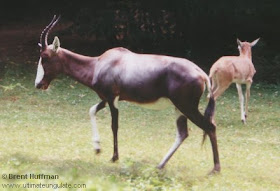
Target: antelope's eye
[44,60]
[44,55]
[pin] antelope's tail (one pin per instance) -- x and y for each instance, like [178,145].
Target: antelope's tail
[210,109]
[208,85]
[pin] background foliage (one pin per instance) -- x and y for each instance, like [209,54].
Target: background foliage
[199,30]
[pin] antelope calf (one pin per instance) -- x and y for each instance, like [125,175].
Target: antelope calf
[122,75]
[235,69]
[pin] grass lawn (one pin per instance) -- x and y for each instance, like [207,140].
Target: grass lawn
[49,132]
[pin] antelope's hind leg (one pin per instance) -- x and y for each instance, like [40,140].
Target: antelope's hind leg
[182,134]
[210,129]
[221,82]
[95,135]
[115,126]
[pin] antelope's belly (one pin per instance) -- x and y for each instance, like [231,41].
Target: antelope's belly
[239,80]
[160,104]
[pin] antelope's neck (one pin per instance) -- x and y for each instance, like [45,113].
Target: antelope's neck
[247,54]
[77,66]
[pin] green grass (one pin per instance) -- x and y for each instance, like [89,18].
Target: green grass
[48,132]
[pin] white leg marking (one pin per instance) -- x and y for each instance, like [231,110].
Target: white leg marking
[116,100]
[40,72]
[95,134]
[176,144]
[241,100]
[171,151]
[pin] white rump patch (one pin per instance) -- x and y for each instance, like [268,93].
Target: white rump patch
[40,73]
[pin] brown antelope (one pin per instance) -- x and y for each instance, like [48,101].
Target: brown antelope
[121,75]
[234,69]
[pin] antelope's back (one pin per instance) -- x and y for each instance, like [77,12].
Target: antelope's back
[233,64]
[144,77]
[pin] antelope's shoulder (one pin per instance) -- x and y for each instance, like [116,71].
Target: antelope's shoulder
[111,57]
[115,51]
[225,59]
[233,59]
[228,61]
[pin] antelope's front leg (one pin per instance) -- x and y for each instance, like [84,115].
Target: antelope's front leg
[115,125]
[241,100]
[248,86]
[95,135]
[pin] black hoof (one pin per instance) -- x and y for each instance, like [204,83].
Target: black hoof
[114,159]
[97,151]
[214,172]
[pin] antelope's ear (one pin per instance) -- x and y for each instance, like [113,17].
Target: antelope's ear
[40,45]
[239,42]
[56,44]
[254,42]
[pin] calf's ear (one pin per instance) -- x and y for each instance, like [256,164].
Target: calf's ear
[239,42]
[254,42]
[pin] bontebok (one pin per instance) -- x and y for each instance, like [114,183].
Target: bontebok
[145,79]
[234,69]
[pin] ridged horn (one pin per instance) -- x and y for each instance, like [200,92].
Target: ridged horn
[45,32]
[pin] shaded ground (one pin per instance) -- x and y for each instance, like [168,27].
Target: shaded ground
[19,41]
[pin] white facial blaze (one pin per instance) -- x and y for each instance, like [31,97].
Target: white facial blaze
[40,73]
